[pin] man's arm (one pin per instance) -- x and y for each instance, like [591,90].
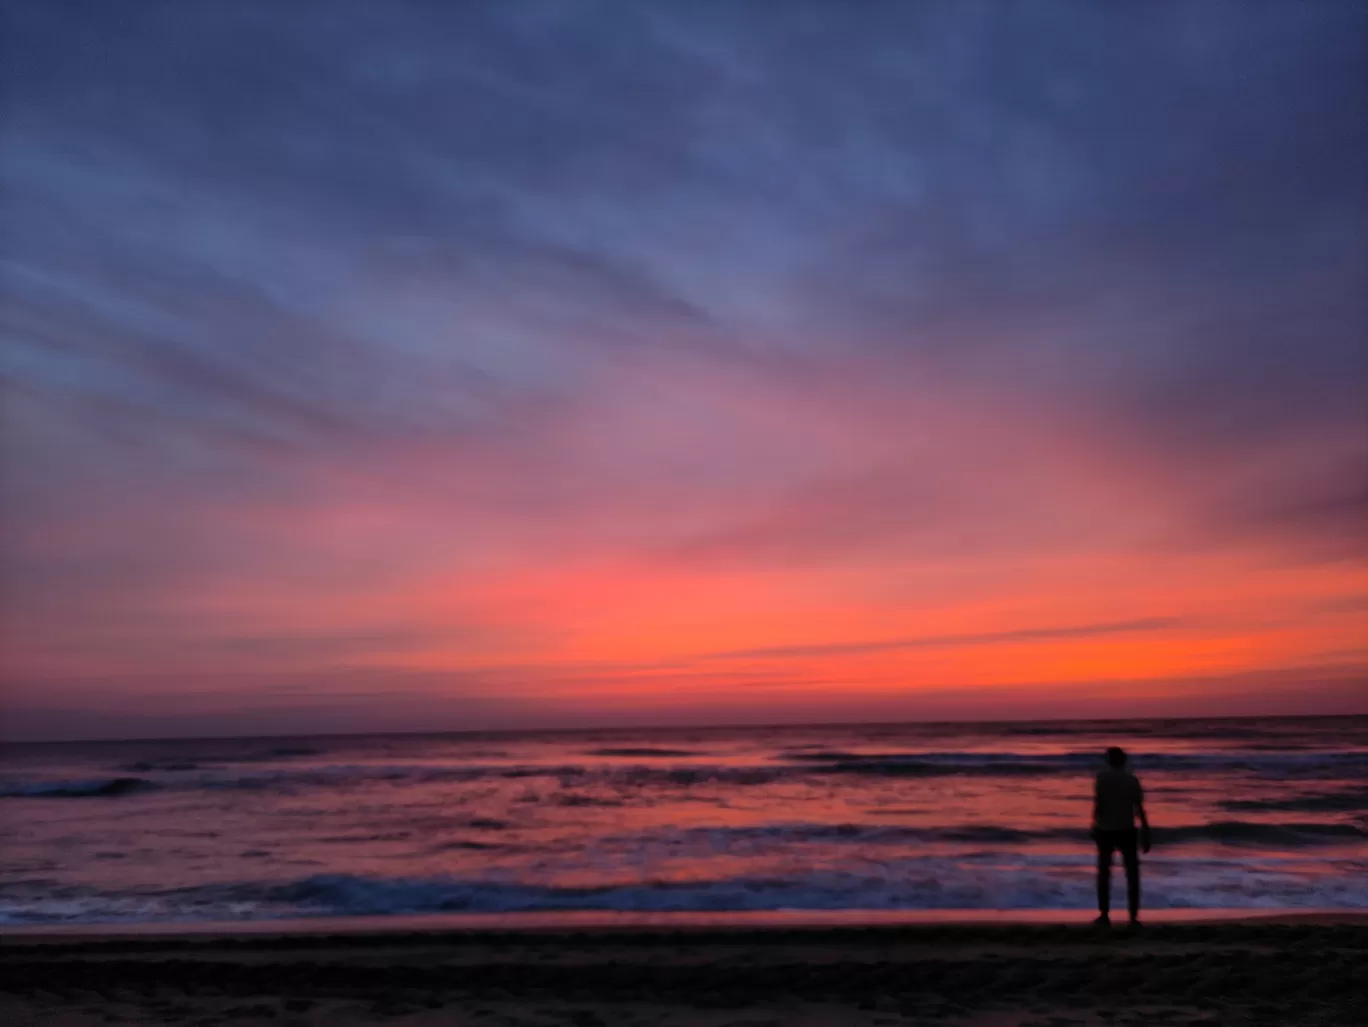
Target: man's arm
[1144,820]
[1097,803]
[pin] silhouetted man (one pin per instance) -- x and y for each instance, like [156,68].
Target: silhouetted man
[1117,800]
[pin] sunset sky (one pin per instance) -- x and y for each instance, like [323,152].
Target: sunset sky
[383,365]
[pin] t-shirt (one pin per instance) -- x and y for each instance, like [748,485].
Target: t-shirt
[1118,793]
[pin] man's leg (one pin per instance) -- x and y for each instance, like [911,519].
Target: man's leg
[1104,861]
[1131,856]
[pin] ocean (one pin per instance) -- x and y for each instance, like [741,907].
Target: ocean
[1248,813]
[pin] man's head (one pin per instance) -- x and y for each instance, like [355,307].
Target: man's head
[1116,757]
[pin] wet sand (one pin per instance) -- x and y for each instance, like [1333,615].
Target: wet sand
[1286,971]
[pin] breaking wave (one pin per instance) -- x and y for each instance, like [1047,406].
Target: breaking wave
[1232,832]
[1280,763]
[642,752]
[90,788]
[1351,800]
[191,775]
[910,884]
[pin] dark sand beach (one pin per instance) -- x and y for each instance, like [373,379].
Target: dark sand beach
[1284,970]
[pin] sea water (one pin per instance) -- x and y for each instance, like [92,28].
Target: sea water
[1248,813]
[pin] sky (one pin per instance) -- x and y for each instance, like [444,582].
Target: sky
[381,365]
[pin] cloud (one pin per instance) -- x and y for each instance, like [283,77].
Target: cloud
[981,638]
[383,314]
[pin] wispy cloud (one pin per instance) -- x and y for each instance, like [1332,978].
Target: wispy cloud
[966,639]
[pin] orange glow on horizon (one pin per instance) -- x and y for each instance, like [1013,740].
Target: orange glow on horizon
[1064,557]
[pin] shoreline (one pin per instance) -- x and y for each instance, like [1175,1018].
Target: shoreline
[632,922]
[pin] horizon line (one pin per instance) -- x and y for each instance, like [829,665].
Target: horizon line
[680,727]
